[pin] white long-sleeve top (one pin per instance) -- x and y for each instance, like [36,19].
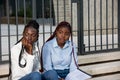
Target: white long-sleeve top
[33,61]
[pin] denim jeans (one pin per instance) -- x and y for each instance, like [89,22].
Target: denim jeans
[55,74]
[32,76]
[50,75]
[62,73]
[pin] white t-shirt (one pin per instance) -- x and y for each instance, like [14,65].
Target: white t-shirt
[33,61]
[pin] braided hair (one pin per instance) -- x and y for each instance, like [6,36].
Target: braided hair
[60,25]
[35,25]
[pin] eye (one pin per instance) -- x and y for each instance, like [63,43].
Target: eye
[60,32]
[26,34]
[67,34]
[34,35]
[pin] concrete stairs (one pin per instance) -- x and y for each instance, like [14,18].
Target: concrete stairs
[4,71]
[102,66]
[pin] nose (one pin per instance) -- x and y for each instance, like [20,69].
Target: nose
[63,35]
[29,38]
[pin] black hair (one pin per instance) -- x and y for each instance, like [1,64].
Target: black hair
[60,25]
[35,25]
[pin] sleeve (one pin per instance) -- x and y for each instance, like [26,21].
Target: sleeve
[37,63]
[17,71]
[14,64]
[29,66]
[36,52]
[73,66]
[46,56]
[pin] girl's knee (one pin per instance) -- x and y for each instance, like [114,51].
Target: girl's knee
[36,76]
[51,72]
[51,75]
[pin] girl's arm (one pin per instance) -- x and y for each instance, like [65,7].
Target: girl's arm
[46,56]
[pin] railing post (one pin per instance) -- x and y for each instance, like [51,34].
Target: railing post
[34,9]
[81,46]
[119,24]
[0,39]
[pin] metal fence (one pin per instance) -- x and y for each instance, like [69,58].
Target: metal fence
[16,13]
[99,26]
[96,26]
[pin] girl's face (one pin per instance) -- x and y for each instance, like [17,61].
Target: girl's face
[62,35]
[30,34]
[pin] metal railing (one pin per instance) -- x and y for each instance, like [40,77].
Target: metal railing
[15,14]
[98,28]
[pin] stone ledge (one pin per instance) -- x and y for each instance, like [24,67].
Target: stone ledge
[107,77]
[102,68]
[102,57]
[4,69]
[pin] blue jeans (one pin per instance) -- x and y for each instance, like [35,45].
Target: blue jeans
[62,73]
[50,75]
[32,76]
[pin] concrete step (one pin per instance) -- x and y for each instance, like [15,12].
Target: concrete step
[105,66]
[4,69]
[94,64]
[4,78]
[107,77]
[102,68]
[100,57]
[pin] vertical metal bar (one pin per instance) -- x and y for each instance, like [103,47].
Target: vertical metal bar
[51,17]
[89,25]
[33,9]
[80,26]
[101,24]
[112,24]
[119,24]
[64,10]
[43,16]
[0,38]
[107,24]
[71,18]
[57,11]
[8,16]
[79,30]
[16,3]
[24,11]
[95,23]
[71,14]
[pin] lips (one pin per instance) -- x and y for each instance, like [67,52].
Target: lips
[61,40]
[29,41]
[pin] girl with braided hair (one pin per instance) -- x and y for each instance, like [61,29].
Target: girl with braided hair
[56,53]
[25,59]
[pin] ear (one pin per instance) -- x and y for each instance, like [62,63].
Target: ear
[37,38]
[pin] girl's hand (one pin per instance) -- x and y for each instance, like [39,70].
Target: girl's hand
[28,47]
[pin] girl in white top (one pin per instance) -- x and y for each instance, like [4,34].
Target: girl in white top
[25,54]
